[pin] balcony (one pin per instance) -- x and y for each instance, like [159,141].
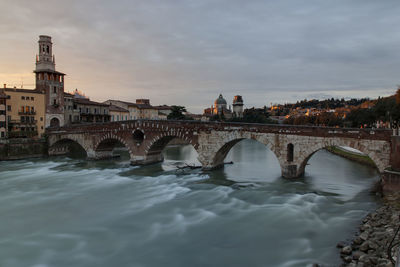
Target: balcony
[26,113]
[22,122]
[22,134]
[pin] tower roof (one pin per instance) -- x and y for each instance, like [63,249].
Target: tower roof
[238,100]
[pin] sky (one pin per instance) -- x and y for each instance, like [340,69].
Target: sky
[187,52]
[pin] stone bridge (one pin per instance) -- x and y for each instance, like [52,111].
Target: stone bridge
[292,145]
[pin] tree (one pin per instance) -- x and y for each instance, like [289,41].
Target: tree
[177,113]
[398,95]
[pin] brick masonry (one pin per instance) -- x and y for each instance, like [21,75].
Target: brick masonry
[213,140]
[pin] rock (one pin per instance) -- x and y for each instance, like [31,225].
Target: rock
[364,236]
[346,250]
[374,260]
[348,259]
[364,246]
[364,227]
[357,241]
[364,258]
[340,244]
[357,254]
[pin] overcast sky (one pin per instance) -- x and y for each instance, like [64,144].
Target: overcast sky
[186,52]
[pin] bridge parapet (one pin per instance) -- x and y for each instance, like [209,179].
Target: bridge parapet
[292,145]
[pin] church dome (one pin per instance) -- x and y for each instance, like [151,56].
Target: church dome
[220,100]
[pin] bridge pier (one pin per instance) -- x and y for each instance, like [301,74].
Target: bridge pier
[292,171]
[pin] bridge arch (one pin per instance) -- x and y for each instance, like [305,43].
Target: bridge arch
[104,146]
[67,145]
[359,145]
[155,146]
[216,159]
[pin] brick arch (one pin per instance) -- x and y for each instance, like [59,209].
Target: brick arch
[53,143]
[220,152]
[359,145]
[111,136]
[157,144]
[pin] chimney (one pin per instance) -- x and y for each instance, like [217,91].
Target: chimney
[5,85]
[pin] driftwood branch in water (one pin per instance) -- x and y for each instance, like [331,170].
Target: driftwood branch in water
[192,167]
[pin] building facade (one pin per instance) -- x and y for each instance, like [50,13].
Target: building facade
[25,112]
[71,111]
[92,112]
[139,110]
[3,115]
[118,113]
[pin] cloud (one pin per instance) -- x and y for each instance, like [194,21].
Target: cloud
[186,52]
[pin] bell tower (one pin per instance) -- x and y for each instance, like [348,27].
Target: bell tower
[45,59]
[50,82]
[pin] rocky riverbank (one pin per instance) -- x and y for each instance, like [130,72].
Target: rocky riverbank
[376,232]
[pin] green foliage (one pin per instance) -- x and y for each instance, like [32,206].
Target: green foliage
[177,113]
[324,119]
[254,115]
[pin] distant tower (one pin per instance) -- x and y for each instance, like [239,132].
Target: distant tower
[50,82]
[238,106]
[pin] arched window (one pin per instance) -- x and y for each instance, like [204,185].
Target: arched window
[290,149]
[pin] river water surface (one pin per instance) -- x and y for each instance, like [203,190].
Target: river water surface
[72,212]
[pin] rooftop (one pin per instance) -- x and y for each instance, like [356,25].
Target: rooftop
[118,109]
[85,101]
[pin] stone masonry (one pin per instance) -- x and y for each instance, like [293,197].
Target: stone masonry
[292,145]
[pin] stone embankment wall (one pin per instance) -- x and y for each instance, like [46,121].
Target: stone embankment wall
[21,148]
[362,159]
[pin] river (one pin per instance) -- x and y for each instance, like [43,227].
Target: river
[71,212]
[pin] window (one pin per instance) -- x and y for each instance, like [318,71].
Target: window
[48,49]
[117,117]
[41,127]
[23,97]
[8,118]
[55,90]
[8,108]
[54,102]
[95,110]
[32,98]
[22,119]
[41,119]
[87,110]
[290,150]
[2,134]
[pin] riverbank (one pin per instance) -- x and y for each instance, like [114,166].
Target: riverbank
[363,159]
[376,232]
